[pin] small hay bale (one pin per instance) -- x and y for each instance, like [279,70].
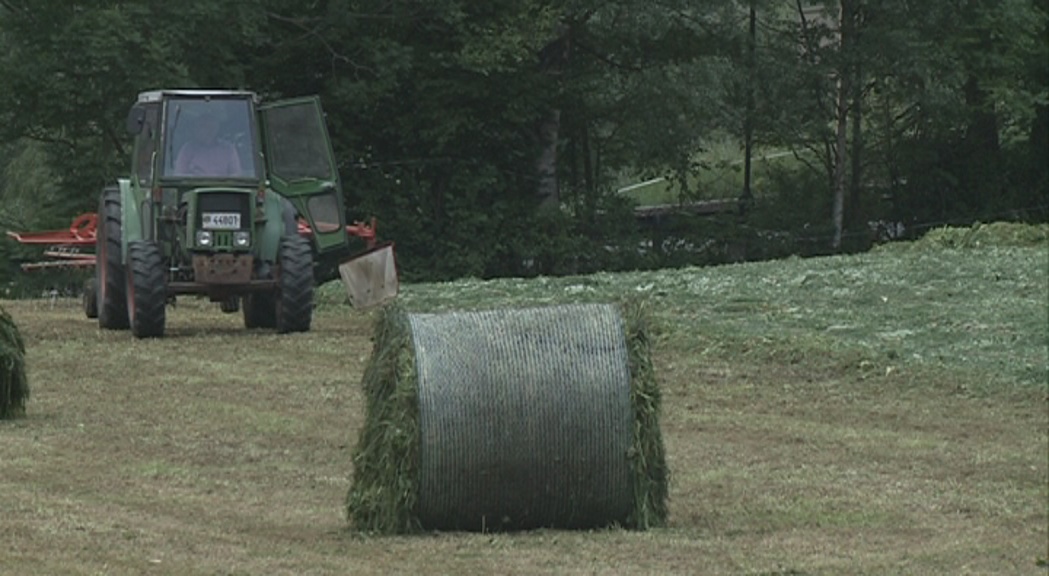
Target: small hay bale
[509,420]
[14,387]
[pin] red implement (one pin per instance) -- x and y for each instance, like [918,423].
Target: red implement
[80,233]
[65,245]
[362,230]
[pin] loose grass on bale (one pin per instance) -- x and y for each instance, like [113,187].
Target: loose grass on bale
[386,460]
[648,456]
[510,419]
[14,387]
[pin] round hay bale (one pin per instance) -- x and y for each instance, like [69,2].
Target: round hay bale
[509,420]
[14,387]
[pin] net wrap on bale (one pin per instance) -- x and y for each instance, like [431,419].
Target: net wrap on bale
[14,387]
[510,419]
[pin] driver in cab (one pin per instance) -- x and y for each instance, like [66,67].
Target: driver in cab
[205,155]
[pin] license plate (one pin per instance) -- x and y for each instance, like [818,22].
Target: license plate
[220,220]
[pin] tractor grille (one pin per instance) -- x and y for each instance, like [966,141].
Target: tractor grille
[222,240]
[225,202]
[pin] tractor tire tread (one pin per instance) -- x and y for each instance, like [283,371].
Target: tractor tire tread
[295,294]
[111,294]
[147,299]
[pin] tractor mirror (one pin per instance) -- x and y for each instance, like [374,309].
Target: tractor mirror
[136,118]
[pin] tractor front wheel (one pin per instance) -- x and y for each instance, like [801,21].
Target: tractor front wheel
[146,289]
[109,268]
[295,285]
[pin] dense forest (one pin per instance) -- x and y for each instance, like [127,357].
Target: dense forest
[499,138]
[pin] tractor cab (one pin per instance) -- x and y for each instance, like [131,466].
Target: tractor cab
[195,136]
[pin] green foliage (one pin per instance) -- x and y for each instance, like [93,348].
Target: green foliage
[82,75]
[26,185]
[995,234]
[441,111]
[799,202]
[83,64]
[935,102]
[582,239]
[14,386]
[27,191]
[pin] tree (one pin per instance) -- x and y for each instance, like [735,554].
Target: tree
[72,70]
[456,122]
[911,97]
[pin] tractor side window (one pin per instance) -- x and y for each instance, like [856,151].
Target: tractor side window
[145,146]
[296,143]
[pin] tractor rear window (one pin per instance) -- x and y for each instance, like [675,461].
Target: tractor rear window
[209,139]
[324,211]
[296,144]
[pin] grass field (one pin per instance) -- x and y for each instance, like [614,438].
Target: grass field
[885,413]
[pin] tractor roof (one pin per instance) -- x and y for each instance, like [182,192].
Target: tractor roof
[157,95]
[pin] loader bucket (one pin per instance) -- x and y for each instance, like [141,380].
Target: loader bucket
[371,277]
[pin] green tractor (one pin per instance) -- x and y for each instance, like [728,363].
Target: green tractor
[232,199]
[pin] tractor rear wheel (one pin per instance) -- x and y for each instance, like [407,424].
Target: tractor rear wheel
[90,298]
[146,289]
[260,310]
[109,268]
[295,285]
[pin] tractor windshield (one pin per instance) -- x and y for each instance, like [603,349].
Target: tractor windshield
[212,138]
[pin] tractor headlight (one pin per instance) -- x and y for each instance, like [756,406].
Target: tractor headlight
[204,238]
[242,239]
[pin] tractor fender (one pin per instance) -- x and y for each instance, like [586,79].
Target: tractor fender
[280,221]
[131,216]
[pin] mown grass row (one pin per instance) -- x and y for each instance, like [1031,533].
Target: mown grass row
[971,300]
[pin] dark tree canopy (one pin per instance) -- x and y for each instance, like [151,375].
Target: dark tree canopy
[489,138]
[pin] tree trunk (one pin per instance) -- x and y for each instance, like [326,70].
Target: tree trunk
[855,221]
[838,212]
[981,163]
[553,59]
[842,123]
[1038,144]
[982,131]
[748,118]
[546,167]
[589,182]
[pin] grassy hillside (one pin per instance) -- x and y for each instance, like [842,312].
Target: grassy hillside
[872,414]
[968,301]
